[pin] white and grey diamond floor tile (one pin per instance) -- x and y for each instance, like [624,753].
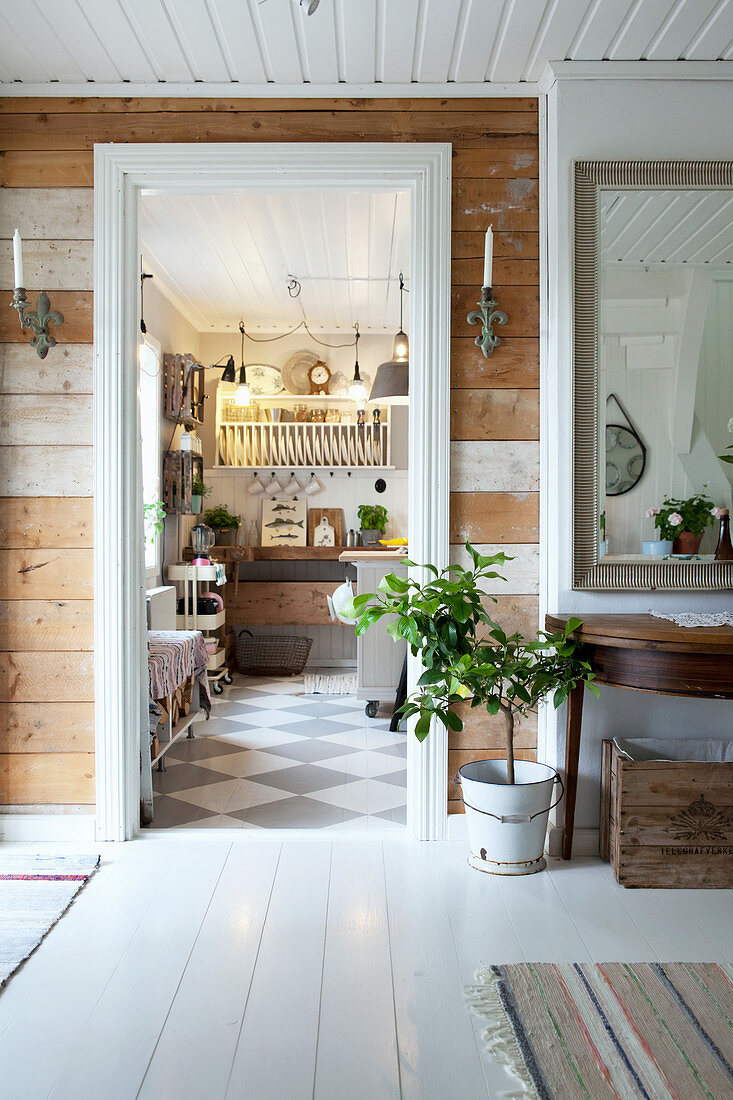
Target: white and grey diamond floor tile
[272,757]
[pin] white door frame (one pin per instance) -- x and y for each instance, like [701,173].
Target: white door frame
[120,173]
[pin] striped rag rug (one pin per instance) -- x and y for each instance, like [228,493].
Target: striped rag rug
[35,891]
[620,1031]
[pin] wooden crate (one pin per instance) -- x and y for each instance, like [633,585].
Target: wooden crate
[179,371]
[667,823]
[179,470]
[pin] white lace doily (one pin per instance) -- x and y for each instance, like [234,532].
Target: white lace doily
[697,618]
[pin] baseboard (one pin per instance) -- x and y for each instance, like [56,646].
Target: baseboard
[586,842]
[68,827]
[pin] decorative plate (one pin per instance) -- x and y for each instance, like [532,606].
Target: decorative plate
[264,380]
[295,372]
[339,384]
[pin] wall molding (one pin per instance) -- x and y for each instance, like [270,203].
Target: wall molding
[556,71]
[46,826]
[234,90]
[423,170]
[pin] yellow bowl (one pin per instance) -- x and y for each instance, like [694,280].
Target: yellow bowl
[393,542]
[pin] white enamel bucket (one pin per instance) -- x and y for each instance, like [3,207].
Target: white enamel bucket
[507,823]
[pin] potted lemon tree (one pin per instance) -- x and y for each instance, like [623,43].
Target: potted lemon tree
[466,655]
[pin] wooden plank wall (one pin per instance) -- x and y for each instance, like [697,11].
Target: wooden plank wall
[46,172]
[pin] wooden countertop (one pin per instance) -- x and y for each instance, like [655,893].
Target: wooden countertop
[646,632]
[358,554]
[229,554]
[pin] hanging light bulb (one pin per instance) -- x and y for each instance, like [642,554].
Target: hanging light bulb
[357,389]
[242,396]
[401,349]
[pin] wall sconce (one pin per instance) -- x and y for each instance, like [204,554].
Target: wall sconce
[37,319]
[487,313]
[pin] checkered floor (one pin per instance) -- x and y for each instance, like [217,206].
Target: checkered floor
[272,758]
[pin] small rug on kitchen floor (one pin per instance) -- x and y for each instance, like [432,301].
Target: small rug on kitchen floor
[586,1030]
[337,683]
[35,891]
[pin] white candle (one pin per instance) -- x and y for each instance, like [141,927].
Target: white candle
[18,258]
[488,256]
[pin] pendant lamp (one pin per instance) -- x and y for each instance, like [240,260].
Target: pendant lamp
[357,389]
[392,382]
[242,395]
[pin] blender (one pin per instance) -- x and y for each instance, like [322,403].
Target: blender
[202,539]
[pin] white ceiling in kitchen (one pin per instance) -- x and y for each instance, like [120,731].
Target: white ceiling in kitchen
[356,42]
[222,257]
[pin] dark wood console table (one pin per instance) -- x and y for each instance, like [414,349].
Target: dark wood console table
[643,653]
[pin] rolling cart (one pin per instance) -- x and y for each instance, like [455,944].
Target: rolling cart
[189,580]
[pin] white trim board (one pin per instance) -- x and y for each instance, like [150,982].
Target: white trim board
[121,172]
[54,827]
[633,70]
[234,90]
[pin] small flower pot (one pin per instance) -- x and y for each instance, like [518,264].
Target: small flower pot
[657,546]
[686,543]
[370,537]
[225,535]
[196,502]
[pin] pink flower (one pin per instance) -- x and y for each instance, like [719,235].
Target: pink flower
[652,512]
[716,512]
[675,519]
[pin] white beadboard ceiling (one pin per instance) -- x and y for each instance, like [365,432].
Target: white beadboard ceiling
[675,226]
[260,43]
[222,257]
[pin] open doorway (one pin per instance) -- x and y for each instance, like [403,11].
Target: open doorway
[122,173]
[283,443]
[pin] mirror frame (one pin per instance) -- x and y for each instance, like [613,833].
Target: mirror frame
[590,572]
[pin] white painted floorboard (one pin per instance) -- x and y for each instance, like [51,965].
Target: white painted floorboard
[319,969]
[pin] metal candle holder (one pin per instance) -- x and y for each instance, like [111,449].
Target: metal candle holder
[37,319]
[488,315]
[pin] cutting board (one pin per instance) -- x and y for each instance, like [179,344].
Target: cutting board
[335,517]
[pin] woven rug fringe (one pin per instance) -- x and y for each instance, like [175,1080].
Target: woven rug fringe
[484,1000]
[339,683]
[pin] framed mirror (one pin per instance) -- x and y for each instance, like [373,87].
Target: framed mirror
[652,373]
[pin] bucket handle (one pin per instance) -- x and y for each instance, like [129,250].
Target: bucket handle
[510,819]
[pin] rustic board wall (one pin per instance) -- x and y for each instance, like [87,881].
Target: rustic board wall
[45,554]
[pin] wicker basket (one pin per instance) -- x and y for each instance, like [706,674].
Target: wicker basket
[272,655]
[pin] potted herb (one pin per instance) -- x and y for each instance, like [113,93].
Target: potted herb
[373,520]
[224,524]
[467,656]
[682,522]
[198,491]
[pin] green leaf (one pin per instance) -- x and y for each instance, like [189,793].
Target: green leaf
[431,676]
[451,721]
[422,726]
